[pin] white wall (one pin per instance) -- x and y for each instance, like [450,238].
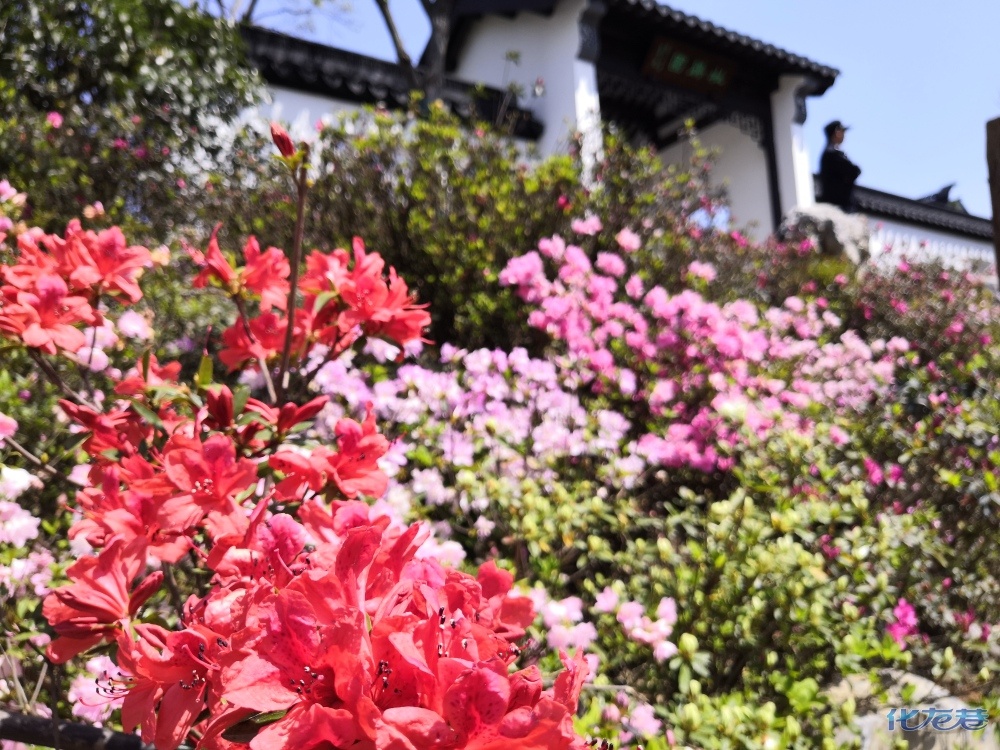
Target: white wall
[892,240]
[795,180]
[548,48]
[742,165]
[301,111]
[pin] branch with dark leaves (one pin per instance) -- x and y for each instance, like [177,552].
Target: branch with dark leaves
[65,735]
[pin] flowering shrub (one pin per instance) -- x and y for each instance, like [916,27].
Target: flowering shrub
[116,103]
[722,475]
[310,619]
[692,361]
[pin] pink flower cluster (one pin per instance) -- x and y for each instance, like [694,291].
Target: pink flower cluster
[510,416]
[904,623]
[638,625]
[707,371]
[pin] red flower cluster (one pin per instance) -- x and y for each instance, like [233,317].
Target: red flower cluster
[57,281]
[341,302]
[335,625]
[325,616]
[319,626]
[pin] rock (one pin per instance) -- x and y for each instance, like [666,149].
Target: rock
[830,229]
[873,724]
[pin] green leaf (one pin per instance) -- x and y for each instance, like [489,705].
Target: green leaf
[267,718]
[205,371]
[802,695]
[240,397]
[148,414]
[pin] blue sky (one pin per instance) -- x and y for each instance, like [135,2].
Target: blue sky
[918,79]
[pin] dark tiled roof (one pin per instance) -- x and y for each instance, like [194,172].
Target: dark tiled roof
[315,68]
[694,28]
[670,21]
[888,206]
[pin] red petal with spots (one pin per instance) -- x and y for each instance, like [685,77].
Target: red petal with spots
[476,702]
[309,727]
[419,727]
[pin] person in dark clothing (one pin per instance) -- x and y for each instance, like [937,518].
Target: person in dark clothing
[837,173]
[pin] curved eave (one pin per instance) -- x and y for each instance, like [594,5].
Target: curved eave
[314,68]
[738,45]
[879,204]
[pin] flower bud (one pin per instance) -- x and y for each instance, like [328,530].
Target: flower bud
[282,140]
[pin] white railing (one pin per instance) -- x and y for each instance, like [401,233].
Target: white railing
[896,242]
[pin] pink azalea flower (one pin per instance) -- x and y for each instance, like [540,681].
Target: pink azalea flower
[606,601]
[628,240]
[875,474]
[54,119]
[905,622]
[701,270]
[642,720]
[667,610]
[589,226]
[610,264]
[8,427]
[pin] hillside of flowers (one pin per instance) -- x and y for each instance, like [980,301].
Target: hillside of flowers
[633,481]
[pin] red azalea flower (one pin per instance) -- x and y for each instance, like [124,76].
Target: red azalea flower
[355,465]
[213,263]
[201,477]
[170,673]
[101,261]
[265,339]
[135,382]
[325,272]
[352,469]
[289,415]
[113,433]
[311,648]
[94,606]
[266,274]
[45,318]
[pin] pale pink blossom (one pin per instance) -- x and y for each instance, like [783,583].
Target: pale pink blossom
[606,601]
[700,270]
[17,526]
[133,325]
[8,427]
[643,722]
[90,702]
[589,226]
[667,610]
[628,240]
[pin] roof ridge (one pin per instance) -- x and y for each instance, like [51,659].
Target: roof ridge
[734,37]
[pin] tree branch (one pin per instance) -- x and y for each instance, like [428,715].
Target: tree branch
[397,42]
[52,374]
[248,15]
[32,458]
[38,730]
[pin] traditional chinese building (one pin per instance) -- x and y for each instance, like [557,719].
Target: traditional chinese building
[648,69]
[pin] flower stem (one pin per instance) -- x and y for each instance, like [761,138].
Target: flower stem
[58,382]
[43,465]
[242,308]
[301,185]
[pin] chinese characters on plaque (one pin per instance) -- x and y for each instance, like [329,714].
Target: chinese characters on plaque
[675,62]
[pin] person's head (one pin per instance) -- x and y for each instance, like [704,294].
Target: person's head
[835,132]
